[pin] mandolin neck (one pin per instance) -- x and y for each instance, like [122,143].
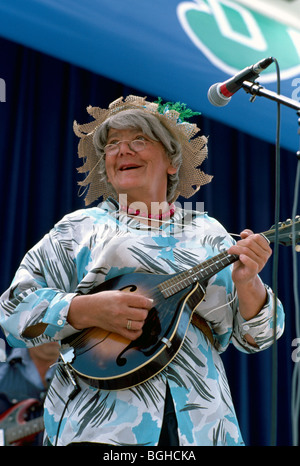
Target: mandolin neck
[200,273]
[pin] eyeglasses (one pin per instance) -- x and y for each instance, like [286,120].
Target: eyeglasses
[137,145]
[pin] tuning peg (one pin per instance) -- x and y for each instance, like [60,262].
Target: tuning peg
[279,225]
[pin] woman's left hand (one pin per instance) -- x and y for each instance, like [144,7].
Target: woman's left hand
[254,252]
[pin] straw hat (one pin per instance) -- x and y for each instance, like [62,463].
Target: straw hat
[171,115]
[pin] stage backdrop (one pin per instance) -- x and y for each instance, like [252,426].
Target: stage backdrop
[38,153]
[170,47]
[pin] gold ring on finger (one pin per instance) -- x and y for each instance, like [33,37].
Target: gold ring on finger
[129,324]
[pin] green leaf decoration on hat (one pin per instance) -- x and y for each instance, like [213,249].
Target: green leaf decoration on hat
[182,109]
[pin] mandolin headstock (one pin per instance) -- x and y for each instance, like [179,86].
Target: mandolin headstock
[286,231]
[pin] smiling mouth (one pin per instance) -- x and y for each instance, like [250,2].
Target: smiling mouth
[128,167]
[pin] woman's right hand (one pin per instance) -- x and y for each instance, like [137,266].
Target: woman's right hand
[111,311]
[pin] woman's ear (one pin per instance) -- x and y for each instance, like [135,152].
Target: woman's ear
[171,170]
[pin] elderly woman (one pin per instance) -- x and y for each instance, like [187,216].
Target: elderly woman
[140,156]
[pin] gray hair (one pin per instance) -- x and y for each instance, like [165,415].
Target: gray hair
[151,126]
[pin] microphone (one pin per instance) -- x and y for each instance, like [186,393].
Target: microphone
[219,94]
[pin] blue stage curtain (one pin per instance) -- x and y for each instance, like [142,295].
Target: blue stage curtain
[38,151]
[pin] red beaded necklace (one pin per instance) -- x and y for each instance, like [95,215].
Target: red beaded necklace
[138,212]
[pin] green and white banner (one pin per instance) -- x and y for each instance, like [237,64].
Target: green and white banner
[233,37]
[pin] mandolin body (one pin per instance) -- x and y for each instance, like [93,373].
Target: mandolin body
[108,361]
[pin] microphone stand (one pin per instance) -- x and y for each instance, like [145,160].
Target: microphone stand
[255,89]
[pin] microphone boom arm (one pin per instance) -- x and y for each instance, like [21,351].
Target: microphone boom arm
[255,89]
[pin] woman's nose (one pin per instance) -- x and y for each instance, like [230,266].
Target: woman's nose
[124,147]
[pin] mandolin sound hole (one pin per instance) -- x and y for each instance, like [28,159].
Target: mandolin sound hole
[121,361]
[129,288]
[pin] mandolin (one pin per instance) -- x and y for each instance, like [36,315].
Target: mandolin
[108,361]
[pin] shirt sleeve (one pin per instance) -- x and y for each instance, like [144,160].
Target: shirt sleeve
[261,327]
[42,290]
[220,309]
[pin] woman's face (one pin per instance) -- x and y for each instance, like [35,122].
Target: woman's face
[141,175]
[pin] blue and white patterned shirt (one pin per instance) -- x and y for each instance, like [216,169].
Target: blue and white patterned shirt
[92,245]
